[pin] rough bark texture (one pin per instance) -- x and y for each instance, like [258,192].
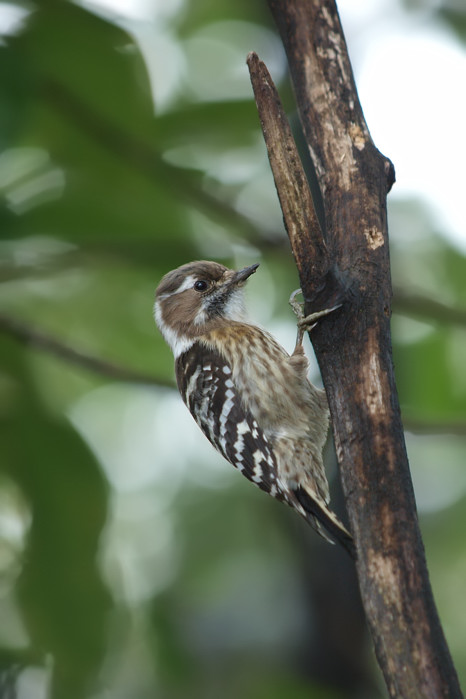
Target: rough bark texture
[350,261]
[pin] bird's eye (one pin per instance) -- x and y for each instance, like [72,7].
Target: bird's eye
[201,285]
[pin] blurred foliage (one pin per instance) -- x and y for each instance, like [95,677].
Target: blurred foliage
[133,562]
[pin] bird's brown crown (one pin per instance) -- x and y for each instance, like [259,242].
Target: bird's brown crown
[197,297]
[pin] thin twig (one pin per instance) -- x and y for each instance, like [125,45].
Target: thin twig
[426,427]
[299,215]
[418,306]
[27,335]
[145,158]
[37,339]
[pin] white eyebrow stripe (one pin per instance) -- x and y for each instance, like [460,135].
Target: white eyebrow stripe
[187,283]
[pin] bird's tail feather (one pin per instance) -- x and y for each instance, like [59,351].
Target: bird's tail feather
[328,521]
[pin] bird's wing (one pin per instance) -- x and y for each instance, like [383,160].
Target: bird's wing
[205,382]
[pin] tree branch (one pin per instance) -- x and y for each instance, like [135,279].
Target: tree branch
[299,215]
[145,158]
[418,306]
[425,427]
[27,335]
[37,339]
[353,345]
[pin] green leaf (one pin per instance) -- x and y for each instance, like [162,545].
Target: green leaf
[63,601]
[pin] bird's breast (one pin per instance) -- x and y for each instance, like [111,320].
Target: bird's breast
[265,378]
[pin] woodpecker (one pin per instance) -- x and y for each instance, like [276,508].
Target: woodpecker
[251,399]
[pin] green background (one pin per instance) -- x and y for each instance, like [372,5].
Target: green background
[133,561]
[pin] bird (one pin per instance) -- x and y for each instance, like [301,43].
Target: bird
[251,399]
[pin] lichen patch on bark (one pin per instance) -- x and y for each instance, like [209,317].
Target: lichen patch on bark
[374,237]
[357,136]
[371,380]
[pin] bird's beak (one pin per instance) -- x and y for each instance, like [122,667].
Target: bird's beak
[244,274]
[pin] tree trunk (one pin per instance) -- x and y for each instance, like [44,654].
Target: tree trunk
[349,263]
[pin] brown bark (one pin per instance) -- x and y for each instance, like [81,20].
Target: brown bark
[349,261]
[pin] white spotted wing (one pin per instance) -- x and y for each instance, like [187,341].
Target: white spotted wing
[206,385]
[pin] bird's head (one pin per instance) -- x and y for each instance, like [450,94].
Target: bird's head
[196,297]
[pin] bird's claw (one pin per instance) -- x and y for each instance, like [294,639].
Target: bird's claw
[306,322]
[296,305]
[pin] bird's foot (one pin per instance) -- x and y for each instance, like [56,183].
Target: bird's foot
[306,323]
